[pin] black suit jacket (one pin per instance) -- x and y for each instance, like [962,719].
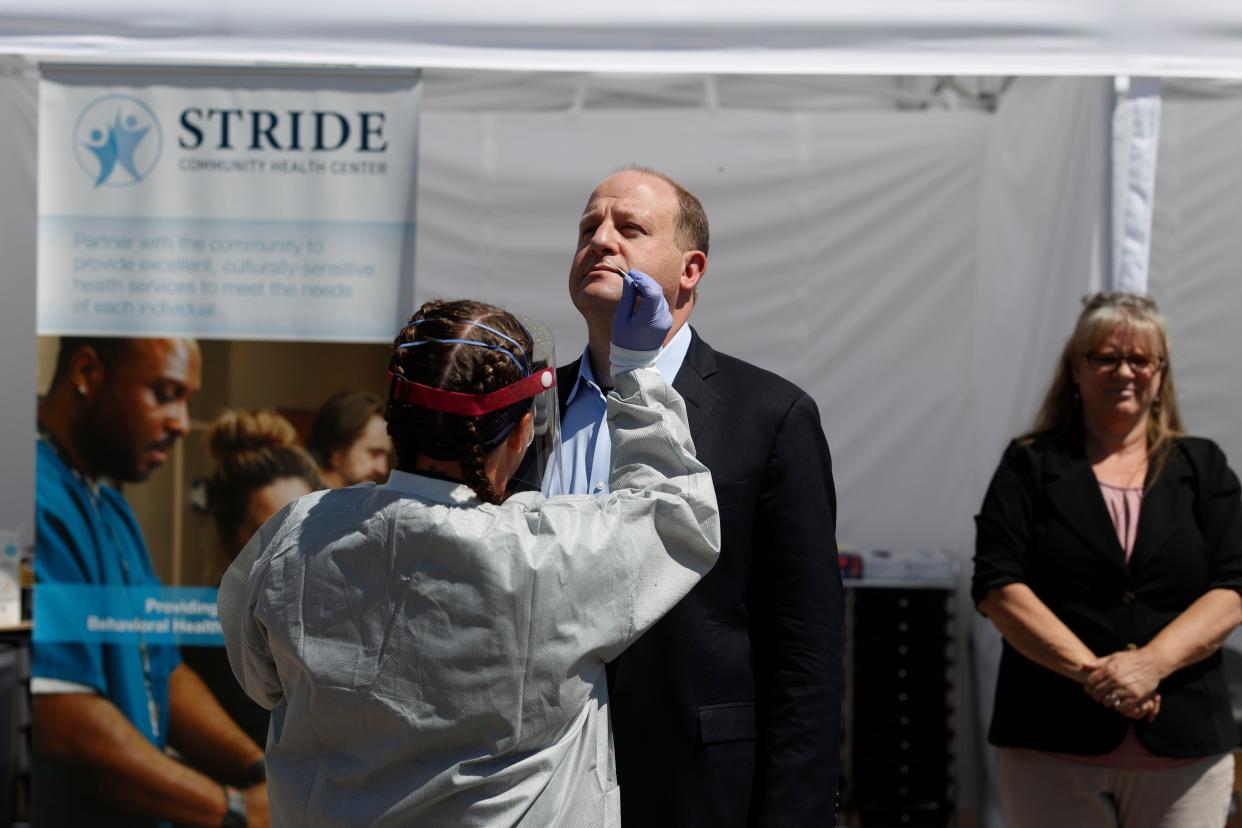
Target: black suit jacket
[727,711]
[1044,523]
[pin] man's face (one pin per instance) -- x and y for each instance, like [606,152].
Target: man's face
[367,457]
[631,220]
[141,408]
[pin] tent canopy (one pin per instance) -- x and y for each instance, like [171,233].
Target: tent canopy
[876,37]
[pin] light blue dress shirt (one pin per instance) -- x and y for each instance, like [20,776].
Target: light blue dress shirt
[586,449]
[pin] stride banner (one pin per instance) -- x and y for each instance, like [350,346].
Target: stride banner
[265,205]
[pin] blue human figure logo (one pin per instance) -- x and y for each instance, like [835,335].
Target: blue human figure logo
[117,147]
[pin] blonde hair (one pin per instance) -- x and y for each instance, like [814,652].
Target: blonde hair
[1104,314]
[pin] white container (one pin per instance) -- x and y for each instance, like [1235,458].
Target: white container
[10,578]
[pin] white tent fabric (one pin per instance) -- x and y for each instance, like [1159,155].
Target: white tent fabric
[18,102]
[898,265]
[1196,257]
[877,37]
[1195,254]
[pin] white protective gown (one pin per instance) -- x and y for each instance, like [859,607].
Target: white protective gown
[433,660]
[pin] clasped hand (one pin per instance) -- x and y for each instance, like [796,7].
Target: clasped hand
[1125,681]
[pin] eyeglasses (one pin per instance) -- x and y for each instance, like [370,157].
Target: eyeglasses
[1141,364]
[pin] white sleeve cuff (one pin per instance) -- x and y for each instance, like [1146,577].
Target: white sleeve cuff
[624,359]
[49,686]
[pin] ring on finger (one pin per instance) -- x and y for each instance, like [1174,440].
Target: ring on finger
[1113,700]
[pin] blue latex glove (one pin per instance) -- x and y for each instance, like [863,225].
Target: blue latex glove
[642,320]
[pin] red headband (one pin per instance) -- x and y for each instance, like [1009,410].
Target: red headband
[470,405]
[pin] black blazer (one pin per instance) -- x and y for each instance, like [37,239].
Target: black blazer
[1044,523]
[727,711]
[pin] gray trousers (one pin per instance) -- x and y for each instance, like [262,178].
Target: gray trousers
[1041,791]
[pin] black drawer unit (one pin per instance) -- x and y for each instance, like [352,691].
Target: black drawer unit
[898,763]
[14,726]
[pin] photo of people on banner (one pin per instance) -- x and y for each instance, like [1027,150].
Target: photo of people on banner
[223,262]
[156,462]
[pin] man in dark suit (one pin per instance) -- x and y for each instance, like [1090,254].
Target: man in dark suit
[728,711]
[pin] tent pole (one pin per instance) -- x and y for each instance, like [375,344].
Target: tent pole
[1135,132]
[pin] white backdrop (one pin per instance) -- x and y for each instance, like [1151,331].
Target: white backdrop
[912,270]
[18,101]
[1196,258]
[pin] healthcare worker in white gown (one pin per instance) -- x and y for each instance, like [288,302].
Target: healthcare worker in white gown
[433,658]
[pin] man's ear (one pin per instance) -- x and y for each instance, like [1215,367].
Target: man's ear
[693,266]
[87,374]
[335,459]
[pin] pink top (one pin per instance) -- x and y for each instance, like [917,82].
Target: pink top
[1123,507]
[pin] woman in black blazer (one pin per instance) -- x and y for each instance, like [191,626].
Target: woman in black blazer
[1109,556]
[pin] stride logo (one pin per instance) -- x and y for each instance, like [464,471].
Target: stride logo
[258,129]
[117,140]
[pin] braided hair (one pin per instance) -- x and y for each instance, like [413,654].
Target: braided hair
[454,367]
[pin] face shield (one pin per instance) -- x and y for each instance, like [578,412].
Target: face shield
[535,392]
[543,458]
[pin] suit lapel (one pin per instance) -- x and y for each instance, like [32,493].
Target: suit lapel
[1166,505]
[691,382]
[566,377]
[1074,492]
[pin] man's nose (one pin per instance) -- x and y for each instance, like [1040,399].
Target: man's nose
[605,238]
[179,421]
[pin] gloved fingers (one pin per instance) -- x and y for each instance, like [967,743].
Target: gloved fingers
[629,294]
[648,287]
